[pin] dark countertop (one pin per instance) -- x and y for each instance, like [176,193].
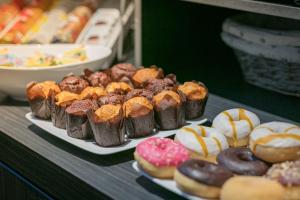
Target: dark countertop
[66,172]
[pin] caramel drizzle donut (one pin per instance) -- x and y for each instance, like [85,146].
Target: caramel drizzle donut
[276,134]
[236,123]
[202,140]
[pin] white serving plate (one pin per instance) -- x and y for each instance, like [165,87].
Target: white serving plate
[168,184]
[90,145]
[13,80]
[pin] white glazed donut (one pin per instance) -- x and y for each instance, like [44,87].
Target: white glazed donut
[203,142]
[236,124]
[276,141]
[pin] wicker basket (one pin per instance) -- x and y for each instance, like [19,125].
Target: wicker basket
[269,59]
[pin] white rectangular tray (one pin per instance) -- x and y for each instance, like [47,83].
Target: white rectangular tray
[165,183]
[90,145]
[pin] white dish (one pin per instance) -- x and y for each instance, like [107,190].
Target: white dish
[165,183]
[13,80]
[90,145]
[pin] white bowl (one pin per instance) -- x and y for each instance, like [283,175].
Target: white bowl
[13,80]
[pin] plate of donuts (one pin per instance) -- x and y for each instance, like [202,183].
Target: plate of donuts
[236,154]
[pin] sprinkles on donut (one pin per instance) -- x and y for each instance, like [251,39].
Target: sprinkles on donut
[159,157]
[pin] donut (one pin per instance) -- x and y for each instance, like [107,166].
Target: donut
[160,156]
[241,161]
[276,142]
[203,142]
[201,178]
[251,188]
[288,175]
[236,124]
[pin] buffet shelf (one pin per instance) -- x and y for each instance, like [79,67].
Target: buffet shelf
[66,172]
[262,7]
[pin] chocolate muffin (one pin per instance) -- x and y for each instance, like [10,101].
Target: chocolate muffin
[169,109]
[122,70]
[58,107]
[118,88]
[139,117]
[139,93]
[145,74]
[39,97]
[196,94]
[73,84]
[111,99]
[158,85]
[107,125]
[92,93]
[78,125]
[97,79]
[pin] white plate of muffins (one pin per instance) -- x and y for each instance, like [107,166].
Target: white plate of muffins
[236,158]
[109,111]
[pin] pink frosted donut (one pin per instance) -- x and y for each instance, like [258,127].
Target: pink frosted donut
[160,156]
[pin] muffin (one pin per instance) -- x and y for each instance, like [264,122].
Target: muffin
[58,107]
[169,109]
[111,99]
[39,97]
[118,88]
[92,93]
[97,79]
[145,74]
[139,117]
[139,93]
[73,84]
[158,85]
[77,124]
[196,94]
[123,72]
[107,125]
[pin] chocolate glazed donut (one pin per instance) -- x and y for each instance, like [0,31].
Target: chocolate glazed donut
[242,161]
[205,172]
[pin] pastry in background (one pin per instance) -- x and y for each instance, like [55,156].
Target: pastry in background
[143,75]
[118,88]
[73,84]
[196,97]
[27,17]
[8,12]
[92,93]
[288,175]
[203,142]
[276,142]
[140,93]
[77,19]
[169,110]
[39,97]
[95,79]
[201,178]
[122,72]
[157,85]
[236,124]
